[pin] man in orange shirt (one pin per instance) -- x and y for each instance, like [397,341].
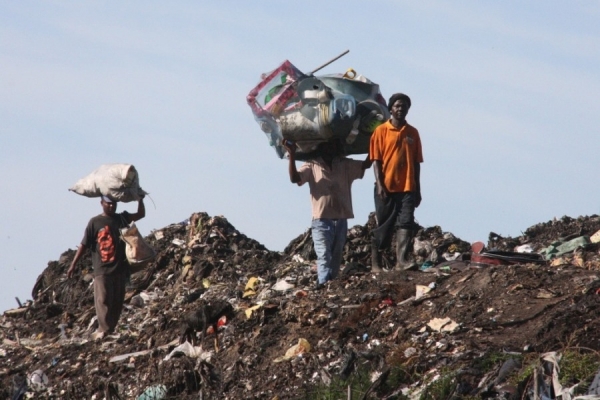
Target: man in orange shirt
[397,155]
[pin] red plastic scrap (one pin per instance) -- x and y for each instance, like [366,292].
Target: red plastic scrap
[386,303]
[221,322]
[284,91]
[477,247]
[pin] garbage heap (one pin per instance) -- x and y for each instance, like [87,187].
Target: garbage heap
[217,315]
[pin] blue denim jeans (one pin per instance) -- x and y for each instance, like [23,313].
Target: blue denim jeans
[329,237]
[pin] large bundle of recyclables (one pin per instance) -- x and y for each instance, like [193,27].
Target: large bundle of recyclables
[309,110]
[120,182]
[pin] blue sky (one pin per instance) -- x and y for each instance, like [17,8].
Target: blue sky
[505,97]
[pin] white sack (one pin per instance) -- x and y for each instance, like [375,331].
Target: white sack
[120,182]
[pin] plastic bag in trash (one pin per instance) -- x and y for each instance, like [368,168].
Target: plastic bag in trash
[138,251]
[38,380]
[157,392]
[309,110]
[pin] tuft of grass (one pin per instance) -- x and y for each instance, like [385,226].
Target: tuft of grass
[578,367]
[491,360]
[529,363]
[442,388]
[399,375]
[359,382]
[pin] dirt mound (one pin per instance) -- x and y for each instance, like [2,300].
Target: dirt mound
[270,335]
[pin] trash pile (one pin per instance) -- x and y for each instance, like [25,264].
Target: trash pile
[217,315]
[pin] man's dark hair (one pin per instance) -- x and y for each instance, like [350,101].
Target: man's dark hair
[398,96]
[335,145]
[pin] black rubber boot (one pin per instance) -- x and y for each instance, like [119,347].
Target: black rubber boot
[403,240]
[375,258]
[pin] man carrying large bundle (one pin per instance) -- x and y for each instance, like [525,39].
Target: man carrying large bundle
[397,155]
[111,269]
[330,178]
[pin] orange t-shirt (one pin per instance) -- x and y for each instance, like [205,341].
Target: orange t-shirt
[398,150]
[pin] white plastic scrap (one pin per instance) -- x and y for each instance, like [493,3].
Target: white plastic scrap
[38,380]
[421,291]
[190,351]
[282,286]
[419,245]
[451,256]
[178,242]
[375,375]
[298,258]
[525,248]
[147,297]
[93,320]
[409,352]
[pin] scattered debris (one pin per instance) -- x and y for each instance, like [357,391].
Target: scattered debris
[210,314]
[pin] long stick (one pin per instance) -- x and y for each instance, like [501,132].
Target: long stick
[329,62]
